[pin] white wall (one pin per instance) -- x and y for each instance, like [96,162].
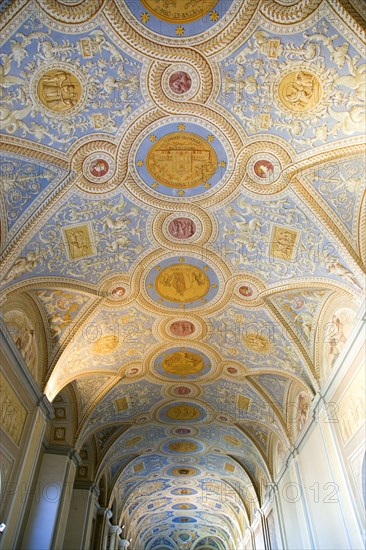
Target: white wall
[319,498]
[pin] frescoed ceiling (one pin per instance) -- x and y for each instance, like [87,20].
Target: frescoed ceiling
[182,200]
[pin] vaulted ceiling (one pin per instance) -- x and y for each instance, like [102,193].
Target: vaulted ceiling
[182,214]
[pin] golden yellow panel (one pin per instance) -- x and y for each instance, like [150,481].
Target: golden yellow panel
[179,11]
[181,160]
[105,344]
[183,412]
[183,472]
[300,91]
[13,414]
[134,440]
[256,342]
[138,467]
[229,467]
[78,241]
[121,404]
[182,283]
[182,363]
[233,440]
[59,90]
[183,446]
[283,242]
[243,402]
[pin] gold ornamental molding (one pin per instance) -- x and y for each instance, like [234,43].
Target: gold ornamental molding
[258,448]
[288,15]
[352,12]
[293,174]
[232,31]
[12,10]
[93,403]
[52,283]
[275,407]
[34,151]
[35,223]
[306,284]
[334,151]
[303,352]
[71,14]
[334,229]
[77,325]
[362,231]
[131,134]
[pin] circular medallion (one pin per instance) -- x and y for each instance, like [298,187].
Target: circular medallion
[181,228]
[300,91]
[182,328]
[182,412]
[182,391]
[184,471]
[106,344]
[184,519]
[174,11]
[183,491]
[246,291]
[98,167]
[182,363]
[232,440]
[114,291]
[264,168]
[182,282]
[181,160]
[132,442]
[178,363]
[118,292]
[184,506]
[256,342]
[141,419]
[232,370]
[183,446]
[59,90]
[180,82]
[182,431]
[133,371]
